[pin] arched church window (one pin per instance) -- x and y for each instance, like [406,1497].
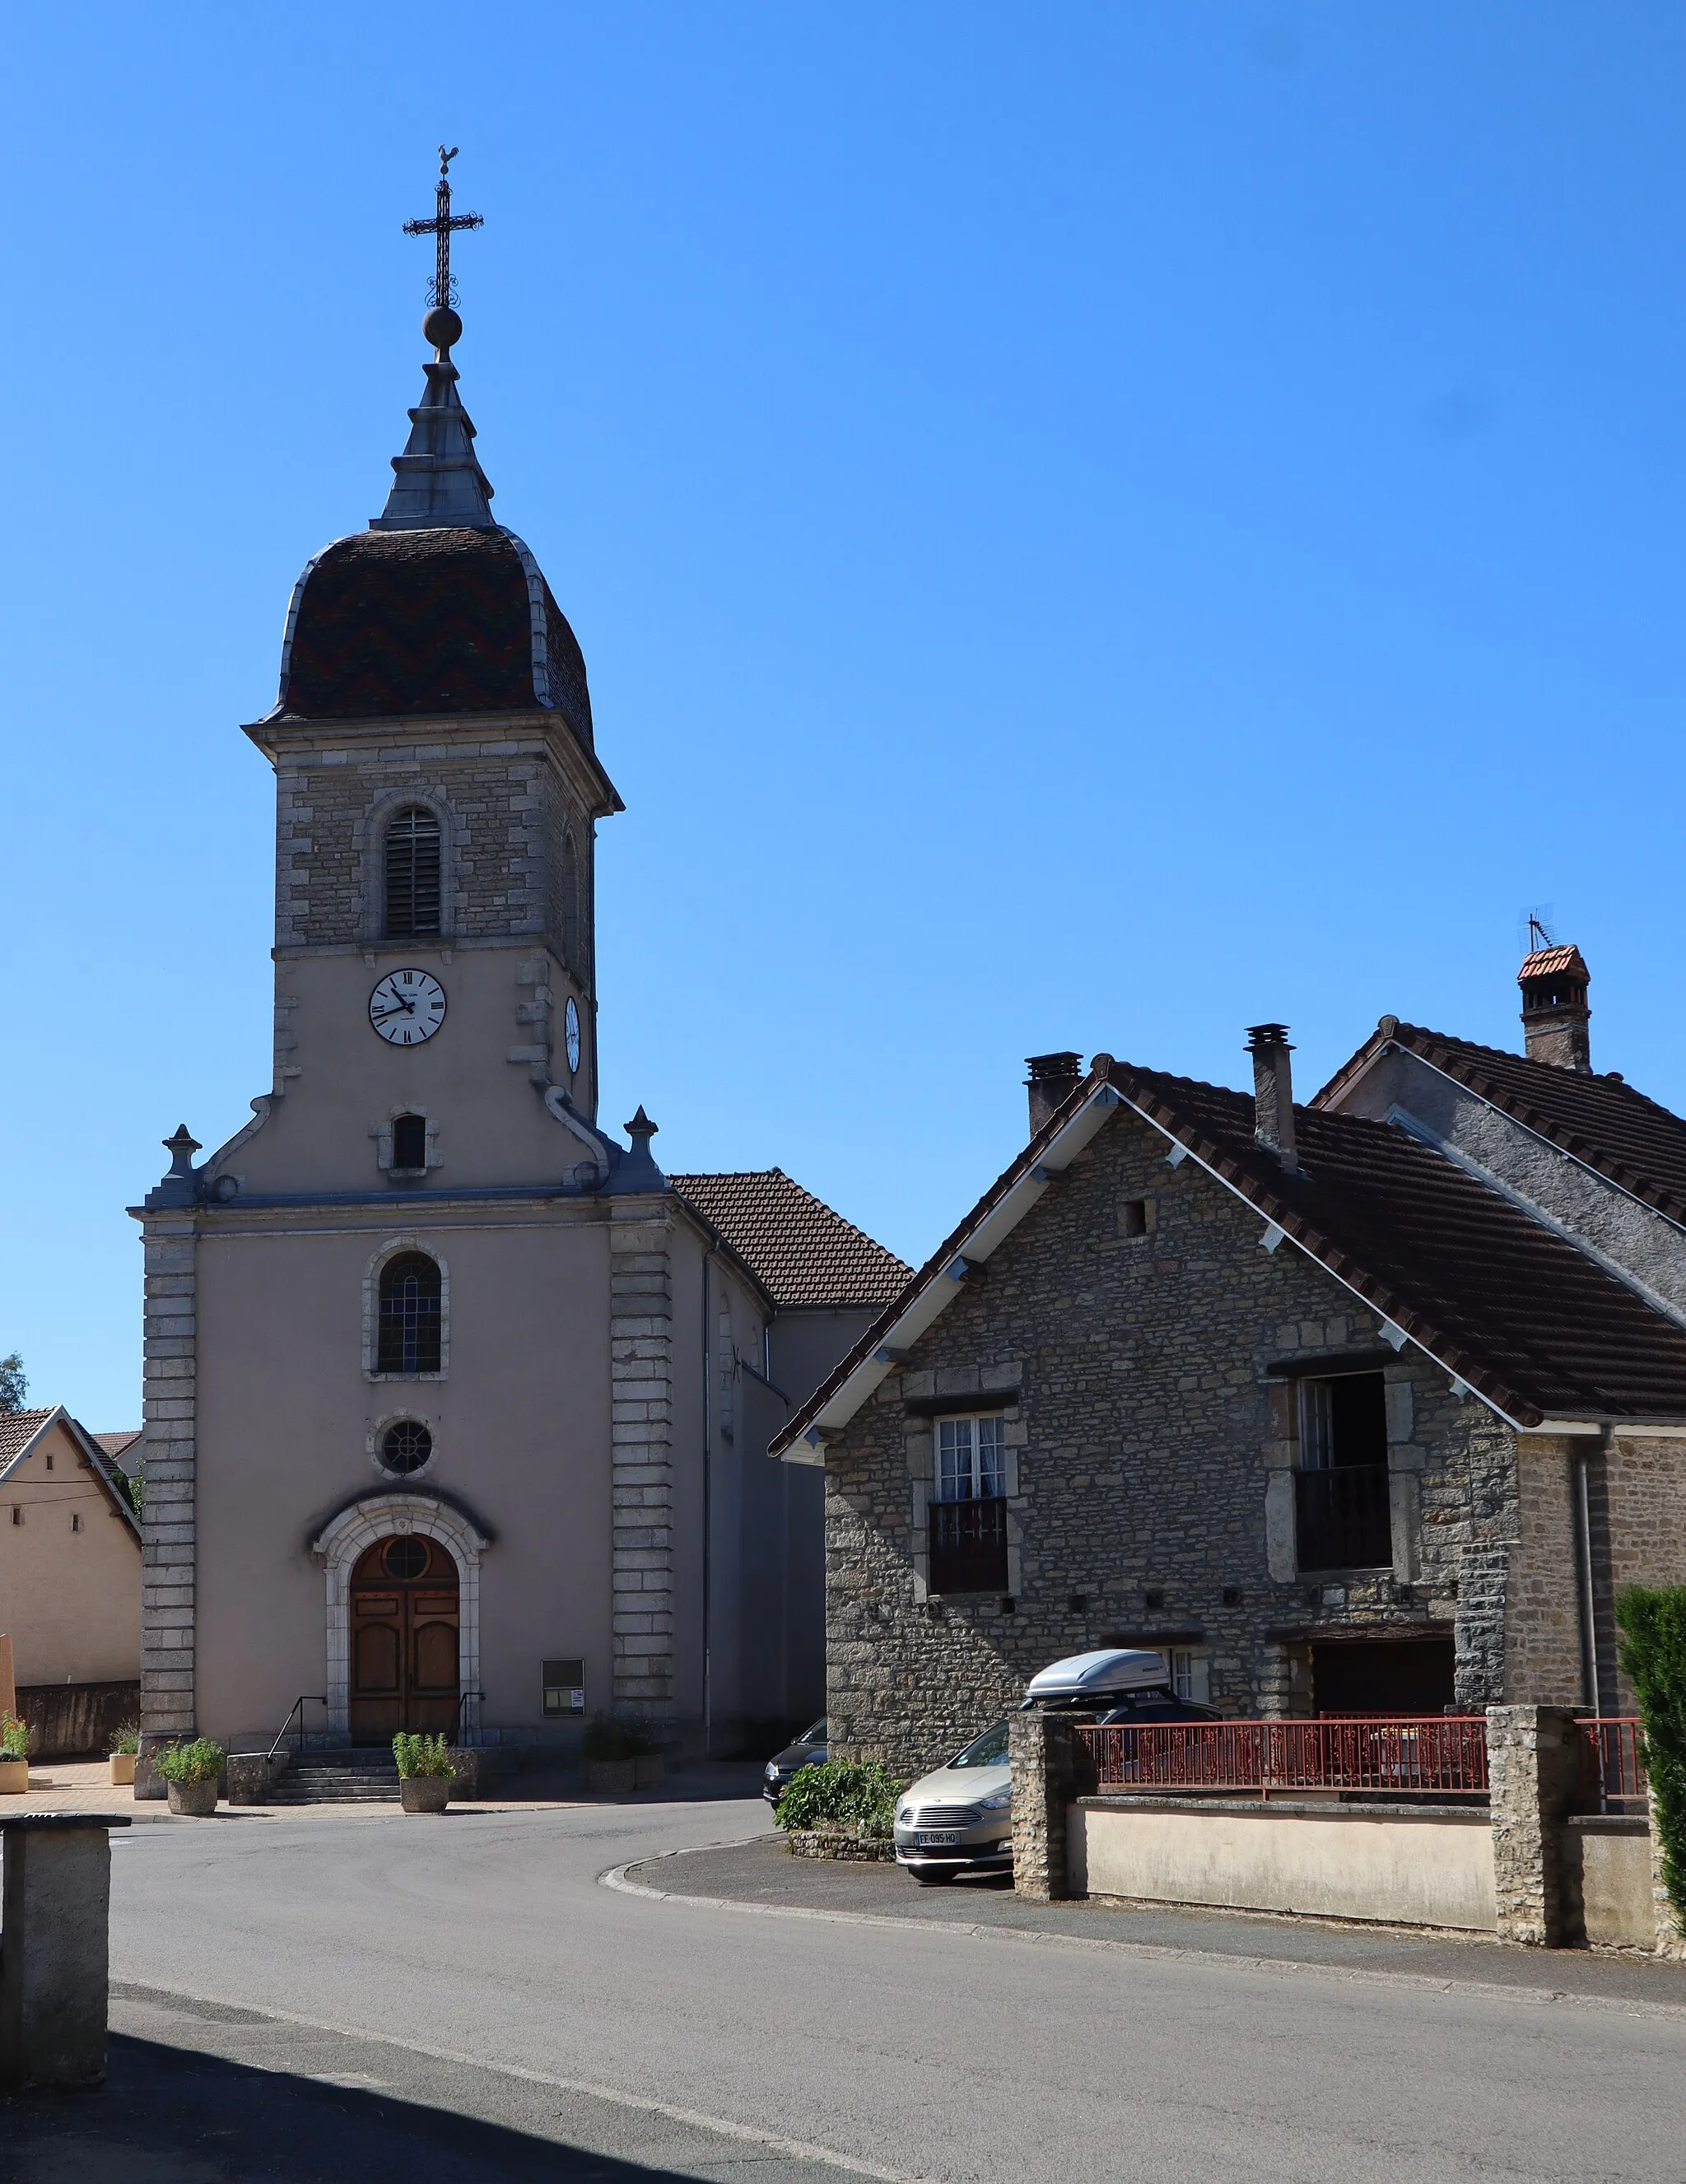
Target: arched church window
[410,1142]
[571,901]
[413,871]
[409,1312]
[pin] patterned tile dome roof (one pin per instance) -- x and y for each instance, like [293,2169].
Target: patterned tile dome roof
[447,620]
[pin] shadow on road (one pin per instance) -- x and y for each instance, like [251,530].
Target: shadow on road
[167,2115]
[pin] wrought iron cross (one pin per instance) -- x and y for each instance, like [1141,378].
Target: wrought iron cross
[441,226]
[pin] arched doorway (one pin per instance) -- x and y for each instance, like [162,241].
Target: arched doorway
[405,1614]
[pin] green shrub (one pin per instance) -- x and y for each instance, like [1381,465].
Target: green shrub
[201,1761]
[1653,1654]
[14,1737]
[858,1795]
[422,1755]
[614,1740]
[126,1739]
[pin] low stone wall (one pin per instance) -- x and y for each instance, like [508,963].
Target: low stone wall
[831,1843]
[1406,1868]
[1607,1880]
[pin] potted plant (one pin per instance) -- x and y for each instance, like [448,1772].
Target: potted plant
[15,1754]
[123,1747]
[190,1771]
[618,1757]
[425,1773]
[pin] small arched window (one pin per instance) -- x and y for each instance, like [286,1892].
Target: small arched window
[412,861]
[410,1300]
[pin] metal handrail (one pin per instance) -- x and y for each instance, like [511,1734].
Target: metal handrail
[304,1699]
[457,1725]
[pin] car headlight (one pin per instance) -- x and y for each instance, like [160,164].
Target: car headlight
[998,1803]
[904,1816]
[772,1770]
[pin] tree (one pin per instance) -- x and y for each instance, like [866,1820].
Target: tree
[13,1387]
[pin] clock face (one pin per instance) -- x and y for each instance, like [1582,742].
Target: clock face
[570,1019]
[407,1007]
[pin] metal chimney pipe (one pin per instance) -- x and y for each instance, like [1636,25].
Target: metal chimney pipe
[1273,1090]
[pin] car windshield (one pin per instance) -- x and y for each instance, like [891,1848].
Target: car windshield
[814,1733]
[989,1750]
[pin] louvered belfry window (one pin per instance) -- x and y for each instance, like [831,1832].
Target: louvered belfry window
[412,873]
[410,1298]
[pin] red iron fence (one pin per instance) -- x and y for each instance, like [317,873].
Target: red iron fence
[1441,1755]
[1615,1773]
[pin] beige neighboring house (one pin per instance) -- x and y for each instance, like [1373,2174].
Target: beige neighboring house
[70,1579]
[454,1401]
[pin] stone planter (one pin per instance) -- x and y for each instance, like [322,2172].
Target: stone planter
[122,1766]
[648,1770]
[198,1800]
[14,1777]
[425,1793]
[611,1777]
[833,1843]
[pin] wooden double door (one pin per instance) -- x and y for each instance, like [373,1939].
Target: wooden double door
[405,1617]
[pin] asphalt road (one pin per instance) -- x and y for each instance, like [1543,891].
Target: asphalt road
[483,1942]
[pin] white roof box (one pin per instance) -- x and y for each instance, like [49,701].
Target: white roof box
[1099,1676]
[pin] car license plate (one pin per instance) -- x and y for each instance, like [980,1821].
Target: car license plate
[937,1839]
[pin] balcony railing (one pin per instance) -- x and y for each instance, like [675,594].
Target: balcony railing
[1613,1777]
[1341,1519]
[969,1545]
[1441,1755]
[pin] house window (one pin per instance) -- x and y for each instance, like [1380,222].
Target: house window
[969,1516]
[1341,1507]
[971,1459]
[17,1514]
[412,877]
[409,1143]
[75,1521]
[409,1315]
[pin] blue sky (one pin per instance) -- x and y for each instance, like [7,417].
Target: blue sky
[1089,526]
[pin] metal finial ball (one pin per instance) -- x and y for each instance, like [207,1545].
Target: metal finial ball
[442,326]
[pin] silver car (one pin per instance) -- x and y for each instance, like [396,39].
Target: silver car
[959,1818]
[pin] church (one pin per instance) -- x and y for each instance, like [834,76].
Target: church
[456,1405]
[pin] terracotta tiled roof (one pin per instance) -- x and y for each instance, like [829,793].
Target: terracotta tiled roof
[1600,1120]
[800,1252]
[118,1444]
[1509,1306]
[425,622]
[18,1428]
[1549,962]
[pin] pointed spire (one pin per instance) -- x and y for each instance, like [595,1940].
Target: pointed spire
[438,481]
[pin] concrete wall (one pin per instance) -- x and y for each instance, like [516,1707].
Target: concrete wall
[1607,1865]
[1412,1870]
[1149,1458]
[69,1572]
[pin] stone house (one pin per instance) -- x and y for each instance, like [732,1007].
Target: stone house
[1371,1404]
[69,1579]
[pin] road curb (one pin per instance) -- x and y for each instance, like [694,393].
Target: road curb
[618,1877]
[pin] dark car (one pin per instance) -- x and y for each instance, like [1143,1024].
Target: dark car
[808,1751]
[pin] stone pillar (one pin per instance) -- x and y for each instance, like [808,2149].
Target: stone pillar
[1534,1770]
[55,1899]
[1050,1767]
[640,1393]
[168,1462]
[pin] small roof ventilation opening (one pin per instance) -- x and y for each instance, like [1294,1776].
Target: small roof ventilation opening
[1555,1016]
[1053,1078]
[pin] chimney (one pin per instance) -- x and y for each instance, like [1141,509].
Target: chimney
[1555,1012]
[1272,1091]
[1053,1078]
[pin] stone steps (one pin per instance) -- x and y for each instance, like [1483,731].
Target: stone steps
[339,1778]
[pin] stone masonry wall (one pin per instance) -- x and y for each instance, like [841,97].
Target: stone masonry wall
[169,1466]
[641,1376]
[505,809]
[1145,1455]
[1645,1489]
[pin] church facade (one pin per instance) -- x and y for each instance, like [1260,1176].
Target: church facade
[455,1404]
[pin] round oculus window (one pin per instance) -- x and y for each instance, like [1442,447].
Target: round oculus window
[405,1447]
[404,1557]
